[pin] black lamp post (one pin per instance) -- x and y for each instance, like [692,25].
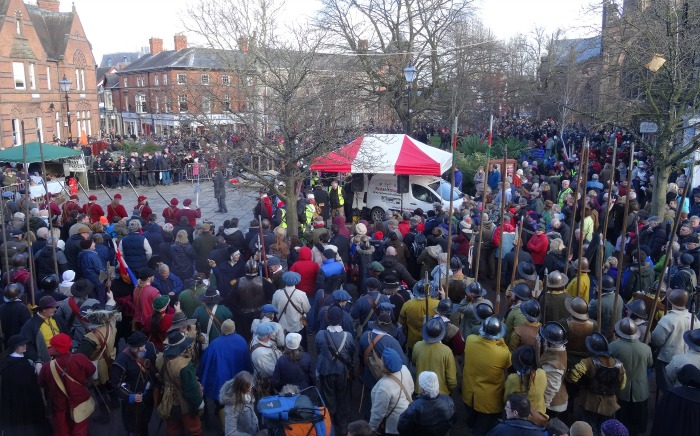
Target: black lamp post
[409,74]
[64,85]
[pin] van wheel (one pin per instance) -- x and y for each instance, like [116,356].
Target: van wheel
[377,214]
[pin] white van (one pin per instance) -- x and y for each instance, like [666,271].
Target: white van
[381,197]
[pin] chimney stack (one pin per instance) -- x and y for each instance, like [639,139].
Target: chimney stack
[156,45]
[49,5]
[243,44]
[180,42]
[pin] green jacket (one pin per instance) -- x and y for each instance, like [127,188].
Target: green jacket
[221,314]
[514,318]
[636,358]
[436,357]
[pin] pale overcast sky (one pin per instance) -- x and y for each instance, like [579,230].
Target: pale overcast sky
[126,25]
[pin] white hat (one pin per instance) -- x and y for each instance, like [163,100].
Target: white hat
[69,275]
[310,196]
[428,381]
[292,341]
[19,215]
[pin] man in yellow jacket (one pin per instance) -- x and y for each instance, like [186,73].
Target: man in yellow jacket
[431,354]
[412,315]
[483,379]
[572,289]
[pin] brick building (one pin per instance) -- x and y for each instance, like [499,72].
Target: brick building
[38,46]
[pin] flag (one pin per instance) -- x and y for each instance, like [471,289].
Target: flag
[125,271]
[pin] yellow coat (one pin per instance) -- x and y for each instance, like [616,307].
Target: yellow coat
[412,316]
[536,392]
[436,357]
[483,381]
[585,287]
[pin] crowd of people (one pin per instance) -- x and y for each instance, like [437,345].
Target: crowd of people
[159,313]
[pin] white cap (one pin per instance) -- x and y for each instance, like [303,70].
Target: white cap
[428,381]
[292,341]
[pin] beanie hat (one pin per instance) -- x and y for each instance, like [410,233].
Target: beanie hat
[161,303]
[391,359]
[292,341]
[61,343]
[167,227]
[264,329]
[187,202]
[581,428]
[103,220]
[613,427]
[360,229]
[335,315]
[174,201]
[428,381]
[228,327]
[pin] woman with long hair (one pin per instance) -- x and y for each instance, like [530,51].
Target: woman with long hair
[280,248]
[239,405]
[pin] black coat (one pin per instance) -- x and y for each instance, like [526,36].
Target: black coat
[343,244]
[678,412]
[516,427]
[13,315]
[22,411]
[426,415]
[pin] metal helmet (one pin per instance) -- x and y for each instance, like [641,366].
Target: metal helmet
[597,344]
[13,291]
[49,283]
[678,297]
[664,287]
[445,307]
[476,289]
[637,308]
[583,264]
[577,307]
[608,283]
[493,328]
[483,311]
[19,261]
[554,333]
[627,329]
[531,310]
[527,271]
[251,267]
[556,280]
[455,263]
[434,330]
[522,291]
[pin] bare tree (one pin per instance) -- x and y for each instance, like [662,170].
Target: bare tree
[293,102]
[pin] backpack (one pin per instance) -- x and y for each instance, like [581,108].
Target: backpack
[372,359]
[418,245]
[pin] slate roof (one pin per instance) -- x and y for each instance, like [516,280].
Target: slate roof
[582,49]
[114,59]
[52,28]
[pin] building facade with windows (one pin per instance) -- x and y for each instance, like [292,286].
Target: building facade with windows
[38,47]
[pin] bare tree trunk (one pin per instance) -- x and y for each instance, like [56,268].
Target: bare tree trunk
[661,173]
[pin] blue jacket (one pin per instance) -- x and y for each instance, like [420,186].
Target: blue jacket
[288,372]
[90,264]
[134,253]
[493,180]
[347,323]
[166,286]
[225,357]
[363,306]
[327,363]
[331,272]
[386,341]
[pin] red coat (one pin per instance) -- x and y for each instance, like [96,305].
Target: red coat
[537,246]
[308,269]
[145,209]
[404,227]
[169,214]
[76,366]
[94,211]
[113,211]
[191,214]
[143,305]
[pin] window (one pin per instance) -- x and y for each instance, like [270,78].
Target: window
[140,103]
[57,131]
[139,81]
[157,103]
[89,124]
[126,82]
[32,77]
[421,193]
[165,79]
[126,103]
[18,20]
[157,80]
[226,80]
[109,103]
[48,78]
[182,79]
[205,79]
[16,129]
[206,105]
[166,104]
[227,103]
[77,79]
[18,71]
[82,78]
[182,103]
[39,129]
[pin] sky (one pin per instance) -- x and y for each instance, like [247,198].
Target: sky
[126,25]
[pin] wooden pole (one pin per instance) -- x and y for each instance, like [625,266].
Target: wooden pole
[449,214]
[609,205]
[518,244]
[621,256]
[601,250]
[30,260]
[667,258]
[483,203]
[584,160]
[500,227]
[570,242]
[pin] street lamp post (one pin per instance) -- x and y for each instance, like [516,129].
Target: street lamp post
[409,74]
[64,85]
